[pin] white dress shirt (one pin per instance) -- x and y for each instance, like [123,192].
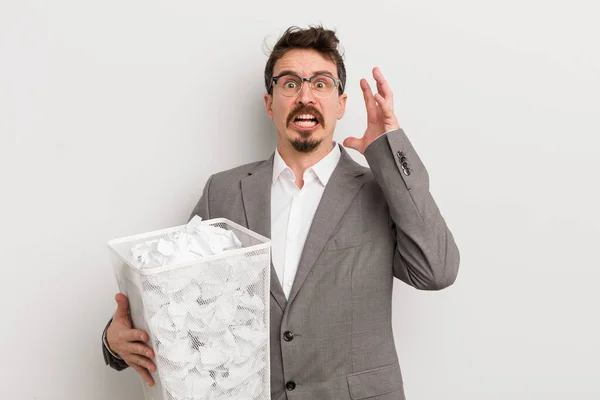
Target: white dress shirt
[292,212]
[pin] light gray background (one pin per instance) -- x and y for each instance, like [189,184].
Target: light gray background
[113,114]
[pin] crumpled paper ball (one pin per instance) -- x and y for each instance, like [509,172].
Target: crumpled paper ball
[193,241]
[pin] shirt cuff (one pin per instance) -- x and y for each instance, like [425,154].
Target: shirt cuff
[107,346]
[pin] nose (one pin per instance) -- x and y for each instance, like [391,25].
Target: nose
[306,95]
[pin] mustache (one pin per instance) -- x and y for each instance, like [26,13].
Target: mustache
[302,109]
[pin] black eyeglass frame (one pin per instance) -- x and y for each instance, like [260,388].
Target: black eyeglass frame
[337,82]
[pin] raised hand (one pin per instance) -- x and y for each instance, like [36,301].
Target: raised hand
[129,343]
[380,112]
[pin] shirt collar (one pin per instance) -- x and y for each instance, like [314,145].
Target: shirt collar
[323,169]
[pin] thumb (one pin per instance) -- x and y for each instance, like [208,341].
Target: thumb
[352,143]
[122,306]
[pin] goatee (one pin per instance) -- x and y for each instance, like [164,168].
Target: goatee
[305,145]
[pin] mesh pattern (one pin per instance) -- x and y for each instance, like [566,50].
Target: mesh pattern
[208,321]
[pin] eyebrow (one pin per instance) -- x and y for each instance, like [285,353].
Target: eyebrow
[289,71]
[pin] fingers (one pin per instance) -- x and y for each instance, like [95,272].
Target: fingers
[132,335]
[122,306]
[143,373]
[142,349]
[380,112]
[382,86]
[368,96]
[383,103]
[146,363]
[124,340]
[137,355]
[383,97]
[136,348]
[129,343]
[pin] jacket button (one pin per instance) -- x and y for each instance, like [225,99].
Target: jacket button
[288,336]
[291,385]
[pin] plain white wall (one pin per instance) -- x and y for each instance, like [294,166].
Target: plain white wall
[113,114]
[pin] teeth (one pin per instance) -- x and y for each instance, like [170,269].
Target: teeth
[306,124]
[305,116]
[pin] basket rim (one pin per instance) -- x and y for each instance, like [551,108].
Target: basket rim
[150,271]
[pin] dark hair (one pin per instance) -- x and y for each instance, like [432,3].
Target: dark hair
[316,38]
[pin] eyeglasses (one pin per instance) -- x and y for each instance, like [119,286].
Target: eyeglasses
[322,85]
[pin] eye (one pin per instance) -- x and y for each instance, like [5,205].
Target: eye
[290,85]
[320,84]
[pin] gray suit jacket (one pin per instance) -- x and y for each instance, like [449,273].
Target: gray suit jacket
[332,339]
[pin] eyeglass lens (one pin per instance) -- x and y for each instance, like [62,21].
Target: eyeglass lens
[321,85]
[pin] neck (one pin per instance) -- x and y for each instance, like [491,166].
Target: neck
[300,162]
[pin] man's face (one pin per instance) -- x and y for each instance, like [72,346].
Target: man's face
[292,115]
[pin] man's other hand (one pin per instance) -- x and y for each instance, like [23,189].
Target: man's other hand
[129,343]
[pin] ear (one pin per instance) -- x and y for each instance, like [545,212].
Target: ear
[269,105]
[342,105]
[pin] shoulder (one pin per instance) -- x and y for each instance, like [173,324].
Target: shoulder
[364,173]
[236,174]
[370,184]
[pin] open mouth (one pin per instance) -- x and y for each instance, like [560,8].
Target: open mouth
[305,121]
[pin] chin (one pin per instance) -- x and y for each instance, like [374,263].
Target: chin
[305,145]
[304,141]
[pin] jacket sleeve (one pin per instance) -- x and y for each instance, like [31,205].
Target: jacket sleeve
[426,256]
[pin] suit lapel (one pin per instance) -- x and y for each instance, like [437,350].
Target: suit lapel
[339,192]
[256,196]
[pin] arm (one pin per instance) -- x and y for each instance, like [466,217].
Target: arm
[426,255]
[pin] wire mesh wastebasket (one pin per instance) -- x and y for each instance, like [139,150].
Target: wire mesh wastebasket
[207,319]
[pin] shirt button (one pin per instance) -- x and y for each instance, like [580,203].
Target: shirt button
[290,385]
[288,336]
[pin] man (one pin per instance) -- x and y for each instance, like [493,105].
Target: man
[340,232]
